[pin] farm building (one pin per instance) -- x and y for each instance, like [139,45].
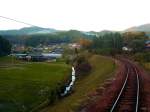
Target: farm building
[74,45]
[20,56]
[147,44]
[38,56]
[126,48]
[52,55]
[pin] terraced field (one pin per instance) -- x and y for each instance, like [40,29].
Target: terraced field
[24,86]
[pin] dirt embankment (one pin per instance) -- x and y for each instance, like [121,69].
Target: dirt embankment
[101,100]
[145,90]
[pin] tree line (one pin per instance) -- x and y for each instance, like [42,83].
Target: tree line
[5,47]
[113,42]
[107,43]
[135,40]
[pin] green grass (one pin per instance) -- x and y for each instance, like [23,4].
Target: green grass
[24,86]
[103,69]
[8,60]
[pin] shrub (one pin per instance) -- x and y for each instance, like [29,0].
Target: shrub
[142,57]
[82,66]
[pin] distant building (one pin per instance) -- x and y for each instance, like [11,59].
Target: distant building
[52,55]
[74,45]
[38,56]
[147,44]
[57,51]
[20,56]
[18,48]
[126,48]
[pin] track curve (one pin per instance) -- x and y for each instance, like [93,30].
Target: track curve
[128,98]
[125,93]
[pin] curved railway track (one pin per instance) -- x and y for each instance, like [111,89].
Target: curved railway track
[128,98]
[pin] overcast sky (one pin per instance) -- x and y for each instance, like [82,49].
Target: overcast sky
[75,14]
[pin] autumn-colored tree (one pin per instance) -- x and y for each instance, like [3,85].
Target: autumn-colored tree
[85,43]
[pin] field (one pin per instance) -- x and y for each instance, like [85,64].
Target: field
[25,85]
[103,68]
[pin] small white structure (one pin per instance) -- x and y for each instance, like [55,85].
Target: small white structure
[28,58]
[74,45]
[126,49]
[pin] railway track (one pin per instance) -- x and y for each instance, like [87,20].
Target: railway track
[128,98]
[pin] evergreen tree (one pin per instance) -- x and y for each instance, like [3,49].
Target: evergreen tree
[5,47]
[108,43]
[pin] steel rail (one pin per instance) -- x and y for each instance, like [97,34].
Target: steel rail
[121,91]
[114,105]
[138,87]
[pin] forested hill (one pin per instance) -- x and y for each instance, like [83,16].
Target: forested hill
[33,39]
[28,31]
[33,36]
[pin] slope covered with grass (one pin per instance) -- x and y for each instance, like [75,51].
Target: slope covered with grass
[24,86]
[103,69]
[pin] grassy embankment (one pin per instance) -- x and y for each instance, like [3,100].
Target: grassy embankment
[103,68]
[143,59]
[25,85]
[147,66]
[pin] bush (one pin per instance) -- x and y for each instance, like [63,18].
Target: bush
[142,57]
[82,66]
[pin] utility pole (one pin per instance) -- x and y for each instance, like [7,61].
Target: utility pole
[12,60]
[114,47]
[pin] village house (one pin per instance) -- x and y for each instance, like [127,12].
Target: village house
[74,45]
[147,44]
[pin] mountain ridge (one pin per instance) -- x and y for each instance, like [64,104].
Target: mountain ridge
[28,31]
[141,28]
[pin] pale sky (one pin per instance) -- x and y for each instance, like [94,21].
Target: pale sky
[82,15]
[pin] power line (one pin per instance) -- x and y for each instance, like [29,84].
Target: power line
[18,21]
